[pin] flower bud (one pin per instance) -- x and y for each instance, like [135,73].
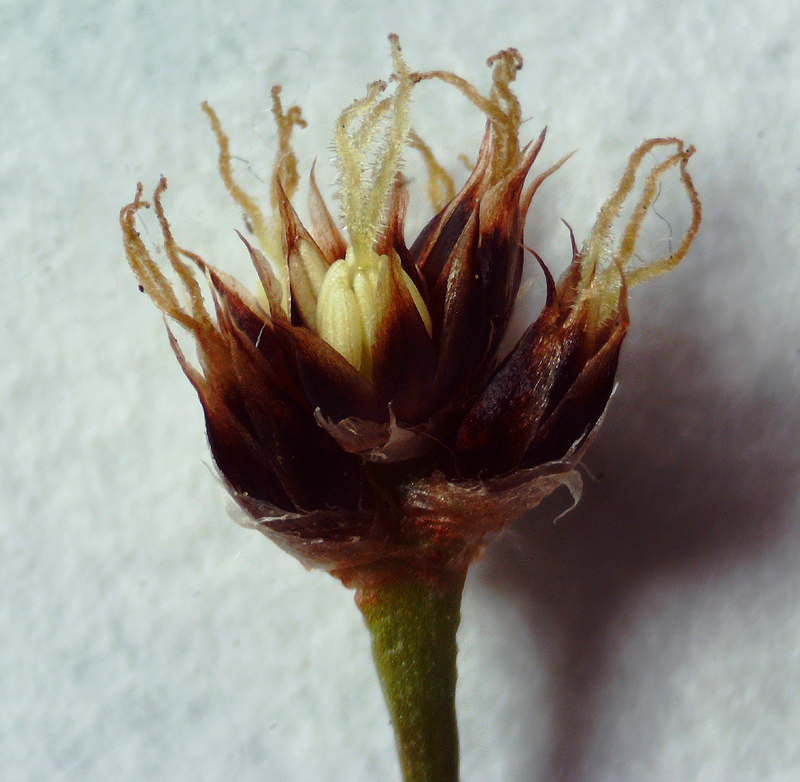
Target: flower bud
[353,300]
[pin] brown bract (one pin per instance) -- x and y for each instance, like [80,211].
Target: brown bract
[357,406]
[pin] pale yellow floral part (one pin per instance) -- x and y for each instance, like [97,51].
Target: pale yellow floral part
[441,188]
[267,230]
[369,140]
[501,108]
[366,184]
[285,171]
[605,268]
[308,271]
[341,322]
[264,232]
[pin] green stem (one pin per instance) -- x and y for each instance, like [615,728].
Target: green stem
[413,627]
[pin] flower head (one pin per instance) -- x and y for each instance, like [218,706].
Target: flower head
[357,405]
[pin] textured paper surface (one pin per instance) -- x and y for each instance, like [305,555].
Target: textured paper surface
[652,634]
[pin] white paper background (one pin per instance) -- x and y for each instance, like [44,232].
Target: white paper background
[651,634]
